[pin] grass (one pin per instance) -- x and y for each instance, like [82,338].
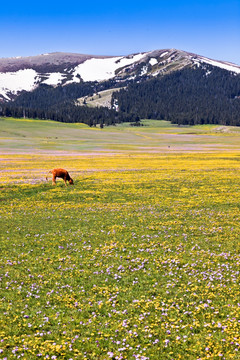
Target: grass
[31,136]
[102,98]
[138,260]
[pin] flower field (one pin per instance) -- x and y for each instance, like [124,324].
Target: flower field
[140,259]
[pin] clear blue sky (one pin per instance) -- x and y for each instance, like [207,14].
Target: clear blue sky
[208,27]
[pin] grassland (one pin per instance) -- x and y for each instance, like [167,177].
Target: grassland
[31,136]
[138,260]
[103,98]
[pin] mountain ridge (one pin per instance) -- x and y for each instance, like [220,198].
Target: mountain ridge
[55,58]
[20,74]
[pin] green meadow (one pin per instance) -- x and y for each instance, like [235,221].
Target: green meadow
[19,135]
[139,259]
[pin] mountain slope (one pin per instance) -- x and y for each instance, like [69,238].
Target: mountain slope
[199,95]
[164,84]
[27,73]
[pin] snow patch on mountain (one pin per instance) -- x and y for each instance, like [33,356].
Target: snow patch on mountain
[144,70]
[103,69]
[14,82]
[222,65]
[153,61]
[54,79]
[163,54]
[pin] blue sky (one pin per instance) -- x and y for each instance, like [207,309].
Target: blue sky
[208,27]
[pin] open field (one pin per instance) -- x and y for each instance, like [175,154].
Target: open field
[138,260]
[31,136]
[102,98]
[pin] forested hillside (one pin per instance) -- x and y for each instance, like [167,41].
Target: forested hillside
[59,104]
[206,95]
[201,95]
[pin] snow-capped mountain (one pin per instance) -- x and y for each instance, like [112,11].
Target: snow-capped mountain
[26,73]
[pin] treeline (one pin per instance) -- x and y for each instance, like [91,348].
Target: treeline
[70,113]
[46,96]
[59,104]
[204,95]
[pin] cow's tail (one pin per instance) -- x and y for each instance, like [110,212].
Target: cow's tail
[50,171]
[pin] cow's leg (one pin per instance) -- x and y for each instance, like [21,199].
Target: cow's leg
[54,180]
[65,177]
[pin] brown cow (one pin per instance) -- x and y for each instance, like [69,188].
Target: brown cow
[60,173]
